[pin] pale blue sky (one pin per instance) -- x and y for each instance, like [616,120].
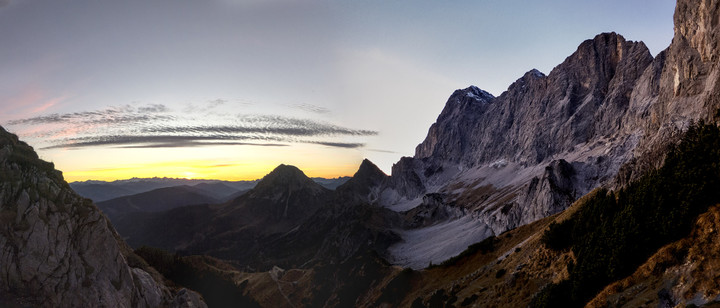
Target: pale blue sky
[349,78]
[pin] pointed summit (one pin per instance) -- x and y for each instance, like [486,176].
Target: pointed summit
[364,182]
[460,114]
[284,174]
[285,177]
[368,170]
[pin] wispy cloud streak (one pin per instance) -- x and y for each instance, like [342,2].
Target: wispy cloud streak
[312,108]
[305,129]
[339,144]
[161,141]
[115,115]
[157,126]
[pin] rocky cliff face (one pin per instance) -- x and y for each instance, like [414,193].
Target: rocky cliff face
[604,116]
[680,86]
[530,152]
[57,249]
[540,116]
[697,23]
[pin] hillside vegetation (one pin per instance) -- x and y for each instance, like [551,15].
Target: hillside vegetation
[614,232]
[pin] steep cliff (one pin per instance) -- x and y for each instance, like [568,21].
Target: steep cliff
[603,117]
[58,250]
[530,152]
[540,116]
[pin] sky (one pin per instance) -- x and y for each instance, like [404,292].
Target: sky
[229,89]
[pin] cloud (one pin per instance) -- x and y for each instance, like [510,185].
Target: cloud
[382,151]
[272,125]
[206,107]
[312,108]
[113,115]
[198,144]
[216,102]
[339,144]
[156,126]
[154,108]
[162,141]
[156,141]
[4,3]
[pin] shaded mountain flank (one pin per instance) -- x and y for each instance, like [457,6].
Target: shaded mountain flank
[58,250]
[158,200]
[286,220]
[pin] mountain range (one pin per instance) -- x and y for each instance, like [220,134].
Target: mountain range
[594,185]
[100,191]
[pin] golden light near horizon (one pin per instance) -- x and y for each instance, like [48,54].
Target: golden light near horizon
[242,163]
[189,175]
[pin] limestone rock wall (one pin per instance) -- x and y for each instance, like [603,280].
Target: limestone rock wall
[57,249]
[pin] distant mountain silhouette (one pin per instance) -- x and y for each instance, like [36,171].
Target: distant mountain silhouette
[217,190]
[100,191]
[158,200]
[281,201]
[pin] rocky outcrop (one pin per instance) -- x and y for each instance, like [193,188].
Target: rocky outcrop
[434,208]
[57,249]
[549,193]
[405,179]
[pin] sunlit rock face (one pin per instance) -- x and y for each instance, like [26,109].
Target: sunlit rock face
[604,116]
[57,249]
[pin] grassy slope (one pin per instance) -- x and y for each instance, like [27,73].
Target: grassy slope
[687,270]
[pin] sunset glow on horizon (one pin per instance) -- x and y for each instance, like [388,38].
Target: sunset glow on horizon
[182,170]
[247,165]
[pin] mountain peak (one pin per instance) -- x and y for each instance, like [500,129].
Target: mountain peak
[474,93]
[368,168]
[464,106]
[285,173]
[534,73]
[285,176]
[365,179]
[369,174]
[286,169]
